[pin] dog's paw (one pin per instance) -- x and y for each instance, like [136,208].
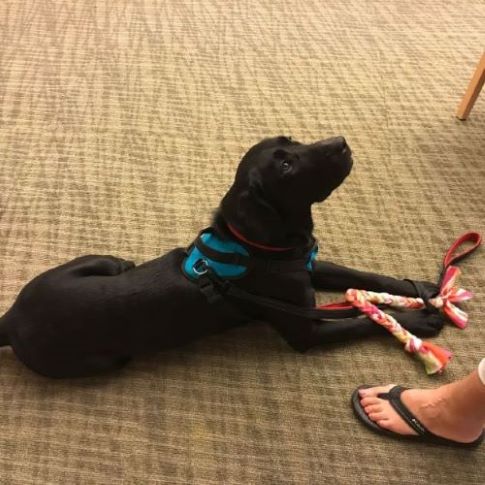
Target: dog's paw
[422,323]
[93,265]
[425,289]
[126,265]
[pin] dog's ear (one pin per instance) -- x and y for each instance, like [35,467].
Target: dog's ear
[251,212]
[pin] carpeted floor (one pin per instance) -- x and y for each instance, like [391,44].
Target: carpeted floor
[121,124]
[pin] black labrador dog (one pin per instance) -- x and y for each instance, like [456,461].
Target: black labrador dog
[93,314]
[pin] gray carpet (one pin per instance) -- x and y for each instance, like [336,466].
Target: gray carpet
[121,124]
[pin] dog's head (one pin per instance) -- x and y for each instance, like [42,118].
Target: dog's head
[278,180]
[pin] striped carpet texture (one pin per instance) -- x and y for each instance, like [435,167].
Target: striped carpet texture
[121,125]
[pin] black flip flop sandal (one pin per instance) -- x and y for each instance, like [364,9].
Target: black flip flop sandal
[394,398]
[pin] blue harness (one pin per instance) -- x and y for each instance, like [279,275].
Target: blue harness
[228,259]
[212,262]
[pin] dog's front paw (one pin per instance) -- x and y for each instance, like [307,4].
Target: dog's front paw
[422,323]
[424,289]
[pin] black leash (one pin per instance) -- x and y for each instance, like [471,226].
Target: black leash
[217,290]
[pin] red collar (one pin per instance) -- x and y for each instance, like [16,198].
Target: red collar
[251,243]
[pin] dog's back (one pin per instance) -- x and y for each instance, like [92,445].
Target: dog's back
[73,320]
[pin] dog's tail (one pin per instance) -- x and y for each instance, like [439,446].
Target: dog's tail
[4,338]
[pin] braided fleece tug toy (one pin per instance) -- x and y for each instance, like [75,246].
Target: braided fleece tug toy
[434,357]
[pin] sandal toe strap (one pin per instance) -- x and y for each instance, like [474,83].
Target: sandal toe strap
[394,398]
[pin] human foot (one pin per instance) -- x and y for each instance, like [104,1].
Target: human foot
[435,409]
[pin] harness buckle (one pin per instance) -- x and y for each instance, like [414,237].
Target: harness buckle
[200,267]
[209,284]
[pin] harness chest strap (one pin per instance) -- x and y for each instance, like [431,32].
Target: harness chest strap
[273,265]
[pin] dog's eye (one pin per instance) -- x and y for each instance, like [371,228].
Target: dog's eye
[285,166]
[282,159]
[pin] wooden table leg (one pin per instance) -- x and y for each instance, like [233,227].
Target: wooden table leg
[472,91]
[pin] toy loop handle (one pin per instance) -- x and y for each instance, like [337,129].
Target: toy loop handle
[452,258]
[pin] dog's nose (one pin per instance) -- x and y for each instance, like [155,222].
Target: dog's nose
[343,142]
[335,144]
[339,143]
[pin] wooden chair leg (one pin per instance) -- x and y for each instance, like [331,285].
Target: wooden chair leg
[472,91]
